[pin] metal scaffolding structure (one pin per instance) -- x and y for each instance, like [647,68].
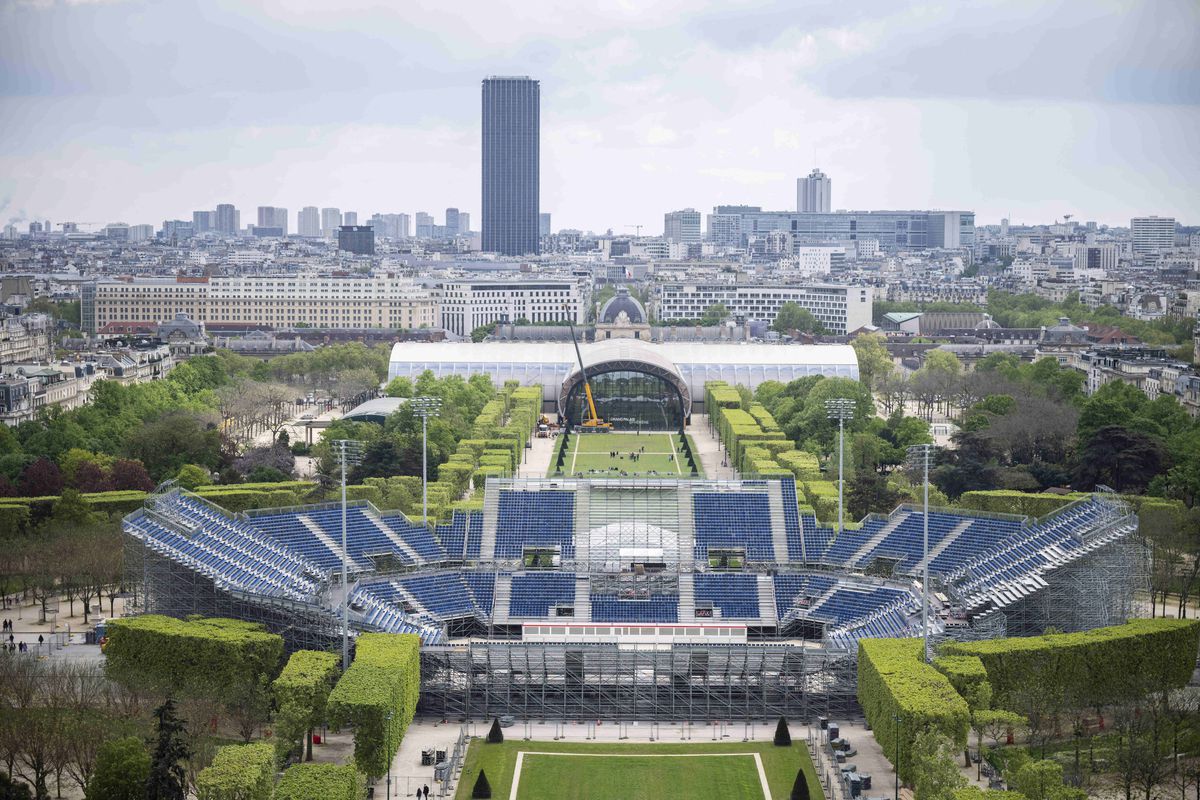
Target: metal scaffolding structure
[578,682]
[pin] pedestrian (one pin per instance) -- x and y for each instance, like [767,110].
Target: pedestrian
[426,791]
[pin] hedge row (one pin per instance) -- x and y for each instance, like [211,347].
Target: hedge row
[1009,501]
[239,772]
[320,782]
[378,696]
[196,657]
[1089,669]
[301,694]
[902,696]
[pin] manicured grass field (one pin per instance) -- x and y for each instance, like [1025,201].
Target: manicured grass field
[592,454]
[637,771]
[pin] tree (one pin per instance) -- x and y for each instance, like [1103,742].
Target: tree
[42,478]
[130,475]
[191,476]
[800,786]
[482,789]
[1039,780]
[714,314]
[935,772]
[495,735]
[791,317]
[122,769]
[11,790]
[783,737]
[874,361]
[1123,459]
[167,779]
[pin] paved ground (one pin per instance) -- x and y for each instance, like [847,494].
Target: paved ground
[538,457]
[708,449]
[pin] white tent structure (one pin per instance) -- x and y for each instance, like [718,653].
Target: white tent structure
[549,364]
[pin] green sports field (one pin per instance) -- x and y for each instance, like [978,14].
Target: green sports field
[622,454]
[637,771]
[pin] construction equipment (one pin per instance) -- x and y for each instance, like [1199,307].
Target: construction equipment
[593,424]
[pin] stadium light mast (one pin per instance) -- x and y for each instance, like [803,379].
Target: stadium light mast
[425,407]
[919,456]
[349,451]
[841,409]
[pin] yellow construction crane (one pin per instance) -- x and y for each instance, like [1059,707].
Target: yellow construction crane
[593,424]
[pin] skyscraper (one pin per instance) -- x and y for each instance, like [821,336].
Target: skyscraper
[350,218]
[813,193]
[331,220]
[544,223]
[511,124]
[424,225]
[682,226]
[451,221]
[308,221]
[227,219]
[273,217]
[203,221]
[464,222]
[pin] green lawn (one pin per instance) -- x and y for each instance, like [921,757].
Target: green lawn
[637,771]
[590,454]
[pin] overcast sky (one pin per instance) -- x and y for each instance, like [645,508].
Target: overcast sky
[143,111]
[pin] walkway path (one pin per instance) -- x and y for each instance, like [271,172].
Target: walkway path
[708,449]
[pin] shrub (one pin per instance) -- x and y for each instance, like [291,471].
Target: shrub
[199,657]
[495,735]
[319,782]
[1092,668]
[783,737]
[122,767]
[239,772]
[378,696]
[301,693]
[482,789]
[901,696]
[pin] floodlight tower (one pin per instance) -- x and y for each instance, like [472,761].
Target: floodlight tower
[425,407]
[349,451]
[841,409]
[919,456]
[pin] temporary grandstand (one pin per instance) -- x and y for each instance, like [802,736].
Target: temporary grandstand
[636,598]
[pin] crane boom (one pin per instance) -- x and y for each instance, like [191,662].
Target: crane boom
[593,422]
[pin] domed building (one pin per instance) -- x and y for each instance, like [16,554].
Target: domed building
[622,317]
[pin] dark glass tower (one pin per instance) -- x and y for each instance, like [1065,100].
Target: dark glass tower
[511,124]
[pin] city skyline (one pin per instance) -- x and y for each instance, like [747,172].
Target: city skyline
[900,106]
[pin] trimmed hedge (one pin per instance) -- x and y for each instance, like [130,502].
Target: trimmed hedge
[1089,669]
[1009,501]
[966,673]
[239,772]
[301,694]
[209,657]
[894,682]
[378,696]
[320,782]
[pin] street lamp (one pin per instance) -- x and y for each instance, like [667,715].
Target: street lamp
[349,451]
[919,456]
[841,409]
[425,407]
[896,732]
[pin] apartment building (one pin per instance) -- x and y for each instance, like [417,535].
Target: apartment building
[270,301]
[466,305]
[27,338]
[840,309]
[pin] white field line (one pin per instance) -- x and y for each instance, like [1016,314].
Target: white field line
[675,456]
[762,773]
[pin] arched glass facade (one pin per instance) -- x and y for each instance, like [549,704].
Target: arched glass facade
[630,400]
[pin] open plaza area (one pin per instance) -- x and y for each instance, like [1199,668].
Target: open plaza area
[611,455]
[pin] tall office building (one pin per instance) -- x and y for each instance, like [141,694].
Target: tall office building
[464,222]
[424,225]
[273,217]
[682,226]
[511,123]
[203,221]
[331,220]
[357,239]
[544,223]
[452,221]
[227,219]
[350,218]
[308,221]
[1152,234]
[813,193]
